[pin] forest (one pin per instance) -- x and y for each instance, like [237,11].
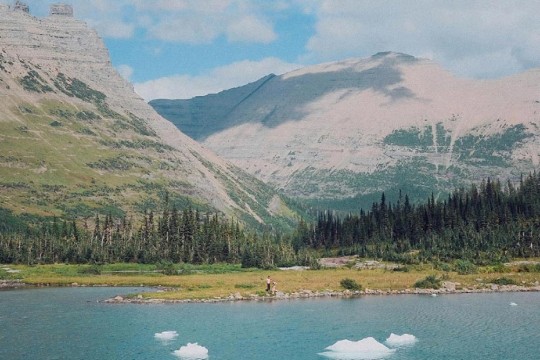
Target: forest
[487,223]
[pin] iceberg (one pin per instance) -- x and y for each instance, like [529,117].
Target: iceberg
[192,352]
[400,340]
[166,335]
[365,349]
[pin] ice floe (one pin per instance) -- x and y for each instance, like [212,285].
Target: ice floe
[513,304]
[192,351]
[166,335]
[365,349]
[400,340]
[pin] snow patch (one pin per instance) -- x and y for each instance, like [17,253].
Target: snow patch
[400,340]
[365,349]
[192,352]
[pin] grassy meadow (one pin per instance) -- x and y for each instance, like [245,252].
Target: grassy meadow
[222,280]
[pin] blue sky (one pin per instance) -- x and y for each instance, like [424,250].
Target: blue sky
[185,48]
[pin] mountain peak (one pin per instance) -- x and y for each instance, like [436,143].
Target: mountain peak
[394,55]
[76,136]
[392,121]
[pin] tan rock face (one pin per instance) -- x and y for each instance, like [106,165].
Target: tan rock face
[364,126]
[60,69]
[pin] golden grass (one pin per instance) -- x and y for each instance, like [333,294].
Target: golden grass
[208,286]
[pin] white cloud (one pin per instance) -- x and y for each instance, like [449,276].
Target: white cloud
[184,21]
[251,29]
[186,29]
[218,79]
[125,71]
[471,38]
[113,29]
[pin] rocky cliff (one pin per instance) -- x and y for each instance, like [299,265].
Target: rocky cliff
[75,139]
[341,133]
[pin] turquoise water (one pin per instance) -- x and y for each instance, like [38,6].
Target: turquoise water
[69,323]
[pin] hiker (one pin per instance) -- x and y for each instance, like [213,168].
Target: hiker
[268,282]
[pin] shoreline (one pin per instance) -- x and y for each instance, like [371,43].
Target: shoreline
[447,289]
[307,294]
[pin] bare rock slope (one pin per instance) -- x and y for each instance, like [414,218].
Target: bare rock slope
[75,138]
[341,133]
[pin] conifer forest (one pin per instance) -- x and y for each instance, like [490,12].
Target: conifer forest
[487,223]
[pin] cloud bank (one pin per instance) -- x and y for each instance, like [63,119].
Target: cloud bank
[217,79]
[471,38]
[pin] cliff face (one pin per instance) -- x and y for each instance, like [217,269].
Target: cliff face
[76,139]
[341,133]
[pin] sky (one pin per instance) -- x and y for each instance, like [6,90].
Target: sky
[184,48]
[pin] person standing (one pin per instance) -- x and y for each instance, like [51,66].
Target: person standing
[268,283]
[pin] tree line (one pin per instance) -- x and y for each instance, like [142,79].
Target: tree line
[186,235]
[489,222]
[485,223]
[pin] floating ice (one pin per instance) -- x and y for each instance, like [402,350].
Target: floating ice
[166,335]
[400,340]
[192,352]
[365,349]
[513,304]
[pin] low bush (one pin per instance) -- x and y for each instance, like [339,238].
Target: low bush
[244,286]
[350,284]
[401,269]
[90,270]
[465,267]
[167,268]
[504,281]
[529,268]
[429,282]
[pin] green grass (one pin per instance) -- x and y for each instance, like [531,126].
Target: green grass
[221,280]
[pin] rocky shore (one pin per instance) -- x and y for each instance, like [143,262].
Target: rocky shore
[11,284]
[447,289]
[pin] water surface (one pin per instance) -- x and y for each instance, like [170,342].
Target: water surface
[70,323]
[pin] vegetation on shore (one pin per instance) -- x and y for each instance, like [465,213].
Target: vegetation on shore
[204,255]
[222,280]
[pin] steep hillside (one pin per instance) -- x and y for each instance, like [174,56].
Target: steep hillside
[202,116]
[75,139]
[341,133]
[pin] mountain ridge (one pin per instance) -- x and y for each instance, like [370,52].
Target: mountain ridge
[77,138]
[358,127]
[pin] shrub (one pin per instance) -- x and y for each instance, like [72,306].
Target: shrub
[401,269]
[244,286]
[90,270]
[442,266]
[350,284]
[465,267]
[429,282]
[529,268]
[167,268]
[504,281]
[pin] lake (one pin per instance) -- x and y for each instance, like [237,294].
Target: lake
[70,323]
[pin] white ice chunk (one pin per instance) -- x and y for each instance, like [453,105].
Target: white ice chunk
[513,304]
[400,340]
[365,349]
[192,352]
[166,335]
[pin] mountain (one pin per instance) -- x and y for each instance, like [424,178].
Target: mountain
[339,134]
[75,139]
